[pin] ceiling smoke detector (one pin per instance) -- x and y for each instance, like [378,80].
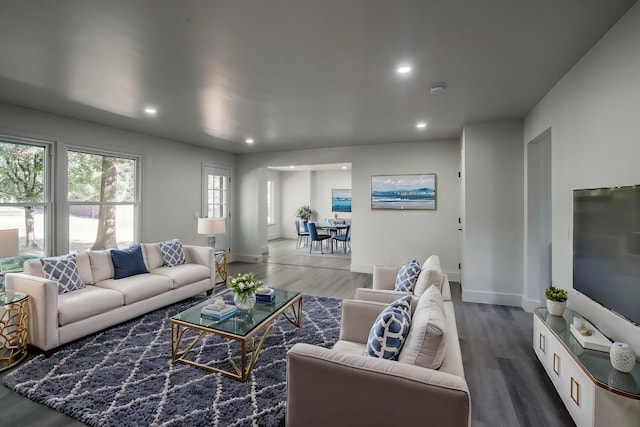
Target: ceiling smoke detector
[437,88]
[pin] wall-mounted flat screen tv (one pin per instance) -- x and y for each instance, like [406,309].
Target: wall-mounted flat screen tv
[606,248]
[341,200]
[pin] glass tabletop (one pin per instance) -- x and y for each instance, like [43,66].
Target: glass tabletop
[596,363]
[245,321]
[10,297]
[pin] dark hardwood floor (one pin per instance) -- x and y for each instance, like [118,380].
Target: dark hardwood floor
[507,383]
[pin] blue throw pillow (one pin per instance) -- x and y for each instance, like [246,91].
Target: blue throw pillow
[390,330]
[63,270]
[128,262]
[172,253]
[407,276]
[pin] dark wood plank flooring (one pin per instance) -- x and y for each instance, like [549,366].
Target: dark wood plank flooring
[508,385]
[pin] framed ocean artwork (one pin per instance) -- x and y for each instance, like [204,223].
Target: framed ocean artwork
[404,192]
[341,200]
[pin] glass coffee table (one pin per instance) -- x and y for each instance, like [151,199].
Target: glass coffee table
[14,329]
[248,327]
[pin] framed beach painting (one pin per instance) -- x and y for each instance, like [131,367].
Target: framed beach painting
[404,192]
[341,200]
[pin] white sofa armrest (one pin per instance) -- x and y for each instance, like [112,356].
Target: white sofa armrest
[384,277]
[379,295]
[358,318]
[325,385]
[203,255]
[43,308]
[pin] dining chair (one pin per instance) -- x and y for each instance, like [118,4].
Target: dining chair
[315,237]
[303,232]
[344,238]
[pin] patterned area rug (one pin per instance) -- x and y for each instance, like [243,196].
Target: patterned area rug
[124,377]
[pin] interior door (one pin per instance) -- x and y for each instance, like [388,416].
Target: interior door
[216,201]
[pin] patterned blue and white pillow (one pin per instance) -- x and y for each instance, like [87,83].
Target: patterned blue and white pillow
[172,253]
[408,276]
[63,270]
[390,330]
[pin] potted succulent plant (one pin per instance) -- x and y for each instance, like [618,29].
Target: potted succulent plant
[556,300]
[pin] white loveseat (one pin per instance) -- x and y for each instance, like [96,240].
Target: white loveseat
[56,319]
[342,386]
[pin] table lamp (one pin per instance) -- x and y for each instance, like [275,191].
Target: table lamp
[211,227]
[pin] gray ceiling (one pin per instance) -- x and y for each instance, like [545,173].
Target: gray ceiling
[292,73]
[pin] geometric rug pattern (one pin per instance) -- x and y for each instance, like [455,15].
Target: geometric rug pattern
[123,376]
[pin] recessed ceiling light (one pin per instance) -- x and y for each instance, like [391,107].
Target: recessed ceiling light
[421,125]
[403,69]
[249,140]
[437,88]
[151,111]
[344,167]
[290,167]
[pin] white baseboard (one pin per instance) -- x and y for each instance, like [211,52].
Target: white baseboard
[248,258]
[361,268]
[529,305]
[484,297]
[453,276]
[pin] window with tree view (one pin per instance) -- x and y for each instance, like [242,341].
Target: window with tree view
[23,197]
[103,200]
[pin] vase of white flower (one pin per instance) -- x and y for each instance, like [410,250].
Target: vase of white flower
[244,288]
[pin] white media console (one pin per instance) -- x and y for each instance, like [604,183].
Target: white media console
[594,393]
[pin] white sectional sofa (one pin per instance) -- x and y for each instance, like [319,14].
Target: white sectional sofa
[59,318]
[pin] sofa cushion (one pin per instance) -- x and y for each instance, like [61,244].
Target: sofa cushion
[425,343]
[172,253]
[64,270]
[350,347]
[184,274]
[84,267]
[139,287]
[430,274]
[128,262]
[101,265]
[390,330]
[86,302]
[407,276]
[152,255]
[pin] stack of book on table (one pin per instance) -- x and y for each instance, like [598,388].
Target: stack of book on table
[213,312]
[266,295]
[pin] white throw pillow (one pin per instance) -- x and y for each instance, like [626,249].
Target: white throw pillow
[430,274]
[425,343]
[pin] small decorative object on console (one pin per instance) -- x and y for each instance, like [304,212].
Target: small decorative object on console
[244,288]
[622,356]
[556,300]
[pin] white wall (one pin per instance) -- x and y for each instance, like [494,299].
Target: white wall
[593,115]
[171,171]
[324,182]
[492,220]
[295,193]
[275,231]
[378,237]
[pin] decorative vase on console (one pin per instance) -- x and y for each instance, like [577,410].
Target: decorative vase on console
[244,288]
[556,300]
[622,357]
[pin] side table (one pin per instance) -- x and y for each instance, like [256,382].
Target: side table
[221,267]
[13,328]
